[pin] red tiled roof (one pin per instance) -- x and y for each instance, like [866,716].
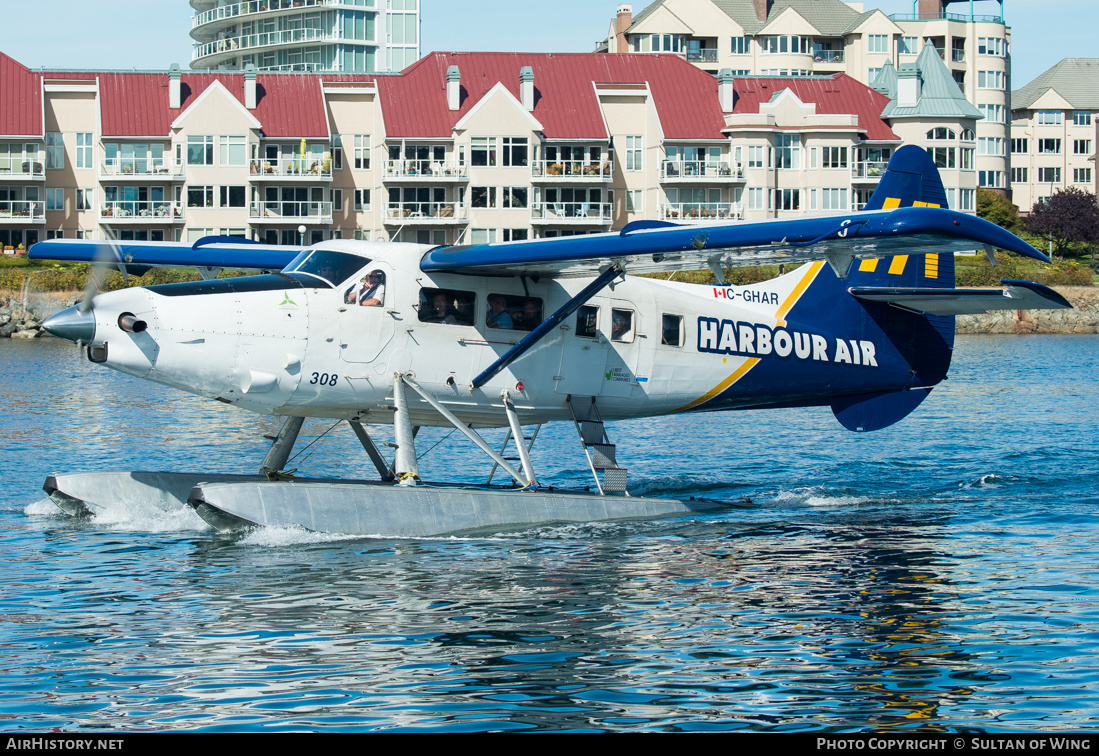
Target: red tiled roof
[414,102]
[20,99]
[136,104]
[837,94]
[565,104]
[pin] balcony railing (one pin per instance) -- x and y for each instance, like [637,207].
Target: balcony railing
[981,19]
[700,211]
[310,166]
[139,167]
[262,39]
[572,169]
[422,168]
[958,56]
[869,170]
[700,169]
[827,56]
[399,213]
[703,55]
[20,168]
[141,211]
[21,211]
[255,6]
[273,212]
[571,212]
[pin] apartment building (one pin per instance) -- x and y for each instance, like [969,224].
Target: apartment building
[1053,132]
[813,37]
[460,147]
[358,36]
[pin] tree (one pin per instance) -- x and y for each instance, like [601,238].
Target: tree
[1069,216]
[999,210]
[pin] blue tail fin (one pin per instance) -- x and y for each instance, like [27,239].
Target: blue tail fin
[911,178]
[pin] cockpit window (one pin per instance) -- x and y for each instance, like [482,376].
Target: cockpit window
[326,264]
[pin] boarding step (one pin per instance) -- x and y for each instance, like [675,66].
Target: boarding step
[597,444]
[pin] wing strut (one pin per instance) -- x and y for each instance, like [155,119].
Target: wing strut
[547,325]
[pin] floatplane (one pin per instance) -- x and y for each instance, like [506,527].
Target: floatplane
[516,335]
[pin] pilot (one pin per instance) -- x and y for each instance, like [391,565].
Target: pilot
[498,316]
[440,310]
[372,293]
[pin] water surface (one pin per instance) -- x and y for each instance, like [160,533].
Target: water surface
[937,574]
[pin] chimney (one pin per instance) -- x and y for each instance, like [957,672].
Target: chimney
[930,9]
[762,7]
[175,97]
[622,22]
[526,87]
[453,88]
[250,86]
[725,89]
[909,87]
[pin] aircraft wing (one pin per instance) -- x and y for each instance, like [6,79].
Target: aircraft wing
[655,246]
[1016,295]
[138,256]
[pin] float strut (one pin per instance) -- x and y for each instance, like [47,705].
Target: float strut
[469,432]
[517,433]
[280,450]
[408,472]
[372,451]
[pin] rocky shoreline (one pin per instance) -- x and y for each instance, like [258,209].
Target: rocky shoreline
[22,319]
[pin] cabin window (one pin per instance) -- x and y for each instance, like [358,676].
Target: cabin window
[447,306]
[587,322]
[368,291]
[621,325]
[671,330]
[513,312]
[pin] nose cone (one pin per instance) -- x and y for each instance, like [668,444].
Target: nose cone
[72,325]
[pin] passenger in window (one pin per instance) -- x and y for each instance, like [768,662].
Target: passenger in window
[621,325]
[370,292]
[531,316]
[498,316]
[441,311]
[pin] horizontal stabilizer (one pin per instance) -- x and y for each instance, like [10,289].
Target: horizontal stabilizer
[223,252]
[1016,295]
[864,413]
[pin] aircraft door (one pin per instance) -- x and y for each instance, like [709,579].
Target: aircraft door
[619,375]
[584,352]
[366,323]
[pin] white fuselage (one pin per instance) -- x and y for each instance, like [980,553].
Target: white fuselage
[289,350]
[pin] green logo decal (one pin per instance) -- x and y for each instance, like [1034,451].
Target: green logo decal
[286,300]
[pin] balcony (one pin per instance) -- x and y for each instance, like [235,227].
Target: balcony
[977,18]
[703,55]
[252,7]
[868,171]
[958,56]
[425,213]
[164,169]
[827,56]
[397,170]
[571,213]
[140,212]
[701,171]
[209,54]
[20,211]
[701,212]
[571,171]
[24,170]
[310,168]
[290,212]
